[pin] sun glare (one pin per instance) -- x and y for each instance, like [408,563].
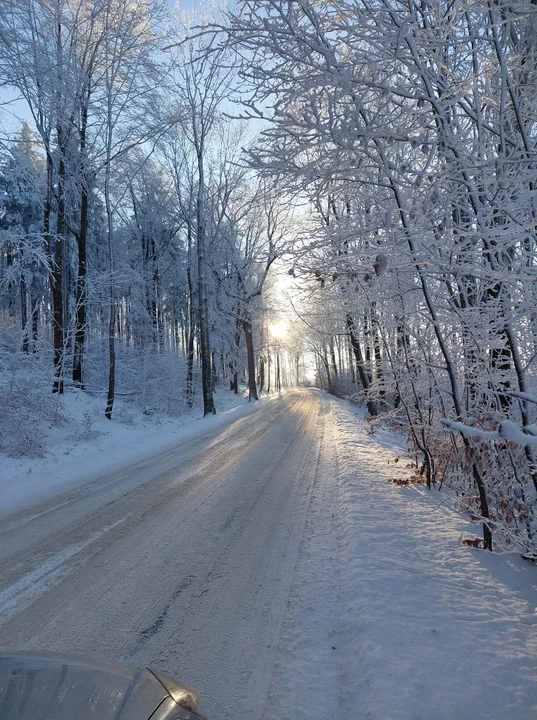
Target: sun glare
[278,329]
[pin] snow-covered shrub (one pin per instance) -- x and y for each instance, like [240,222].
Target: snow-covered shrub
[503,467]
[28,409]
[127,417]
[510,492]
[87,432]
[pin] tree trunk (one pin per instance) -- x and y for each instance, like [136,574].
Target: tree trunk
[487,534]
[234,382]
[205,342]
[214,374]
[57,272]
[111,356]
[190,350]
[324,357]
[261,373]
[24,317]
[252,388]
[333,359]
[500,353]
[357,350]
[111,294]
[80,329]
[351,363]
[261,377]
[377,351]
[154,297]
[35,323]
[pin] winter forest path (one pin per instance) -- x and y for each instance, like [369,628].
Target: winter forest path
[270,564]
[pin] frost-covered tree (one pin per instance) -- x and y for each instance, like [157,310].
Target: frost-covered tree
[22,183]
[203,82]
[410,128]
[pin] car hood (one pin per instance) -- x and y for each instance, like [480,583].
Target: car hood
[48,686]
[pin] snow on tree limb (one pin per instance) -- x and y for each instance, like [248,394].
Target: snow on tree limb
[507,431]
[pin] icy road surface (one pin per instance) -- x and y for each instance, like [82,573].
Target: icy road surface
[270,564]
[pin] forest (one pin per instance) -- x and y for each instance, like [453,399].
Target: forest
[173,188]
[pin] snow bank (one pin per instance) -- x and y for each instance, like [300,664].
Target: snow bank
[434,630]
[86,445]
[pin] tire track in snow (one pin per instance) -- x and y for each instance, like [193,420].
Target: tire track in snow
[17,597]
[314,674]
[222,632]
[194,481]
[138,502]
[219,628]
[154,621]
[281,656]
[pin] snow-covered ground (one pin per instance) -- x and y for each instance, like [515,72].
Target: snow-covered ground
[268,561]
[87,445]
[431,629]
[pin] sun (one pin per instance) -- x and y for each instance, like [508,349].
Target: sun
[278,329]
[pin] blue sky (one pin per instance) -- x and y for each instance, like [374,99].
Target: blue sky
[12,112]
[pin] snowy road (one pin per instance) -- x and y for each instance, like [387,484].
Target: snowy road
[270,563]
[184,561]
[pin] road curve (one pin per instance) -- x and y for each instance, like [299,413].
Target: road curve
[184,561]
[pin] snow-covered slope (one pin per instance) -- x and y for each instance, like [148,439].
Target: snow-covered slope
[86,445]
